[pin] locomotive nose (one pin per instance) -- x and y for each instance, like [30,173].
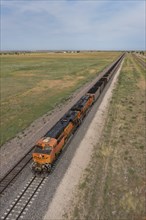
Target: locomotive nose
[40,156]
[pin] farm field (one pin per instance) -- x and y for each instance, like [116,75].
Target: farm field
[113,185]
[33,84]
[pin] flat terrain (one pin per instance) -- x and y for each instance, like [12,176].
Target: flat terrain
[113,185]
[71,163]
[33,84]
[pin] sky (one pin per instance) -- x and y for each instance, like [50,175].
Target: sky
[73,25]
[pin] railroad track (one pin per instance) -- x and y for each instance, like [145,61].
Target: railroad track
[20,205]
[18,208]
[8,179]
[140,61]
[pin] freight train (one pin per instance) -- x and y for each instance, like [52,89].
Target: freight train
[48,148]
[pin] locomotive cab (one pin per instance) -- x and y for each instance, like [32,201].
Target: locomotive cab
[43,155]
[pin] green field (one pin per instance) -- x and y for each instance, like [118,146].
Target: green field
[32,84]
[113,186]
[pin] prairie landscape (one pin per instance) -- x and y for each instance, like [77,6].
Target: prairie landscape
[33,84]
[72,118]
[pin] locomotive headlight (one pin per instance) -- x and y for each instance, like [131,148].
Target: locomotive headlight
[40,156]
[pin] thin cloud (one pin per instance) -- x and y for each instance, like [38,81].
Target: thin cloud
[73,24]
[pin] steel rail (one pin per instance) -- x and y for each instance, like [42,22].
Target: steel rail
[17,169]
[19,205]
[11,175]
[140,61]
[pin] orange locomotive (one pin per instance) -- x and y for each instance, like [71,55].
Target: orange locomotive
[48,147]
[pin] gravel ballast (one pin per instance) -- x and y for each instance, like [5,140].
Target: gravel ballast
[62,199]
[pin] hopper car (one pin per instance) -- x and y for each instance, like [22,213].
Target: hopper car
[48,148]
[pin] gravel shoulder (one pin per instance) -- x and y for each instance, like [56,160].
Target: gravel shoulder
[62,199]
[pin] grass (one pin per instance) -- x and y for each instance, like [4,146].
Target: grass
[114,184]
[33,84]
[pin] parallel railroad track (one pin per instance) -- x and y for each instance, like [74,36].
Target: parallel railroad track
[13,173]
[8,179]
[19,206]
[140,61]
